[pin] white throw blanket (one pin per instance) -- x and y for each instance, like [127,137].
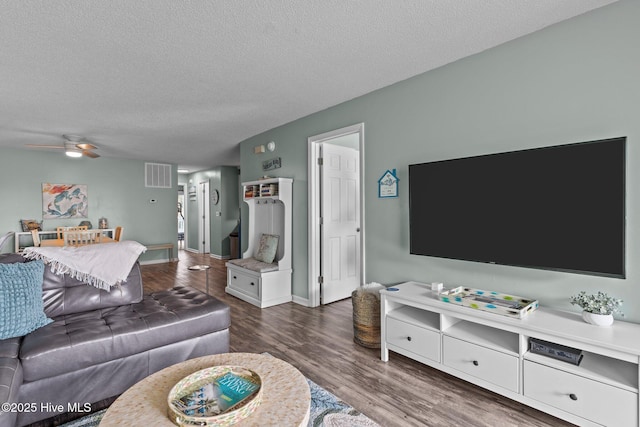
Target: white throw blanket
[102,265]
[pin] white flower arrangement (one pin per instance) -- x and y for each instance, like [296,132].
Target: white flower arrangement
[599,303]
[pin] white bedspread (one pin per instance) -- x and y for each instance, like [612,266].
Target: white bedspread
[102,265]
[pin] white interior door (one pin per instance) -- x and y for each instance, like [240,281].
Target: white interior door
[340,224]
[203,210]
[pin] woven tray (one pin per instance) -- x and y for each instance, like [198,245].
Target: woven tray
[192,383]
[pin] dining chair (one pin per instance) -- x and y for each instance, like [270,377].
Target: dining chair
[36,237]
[117,235]
[81,237]
[60,230]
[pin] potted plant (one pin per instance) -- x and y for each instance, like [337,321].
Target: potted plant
[597,309]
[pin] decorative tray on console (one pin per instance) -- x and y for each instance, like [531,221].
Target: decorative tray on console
[494,302]
[215,396]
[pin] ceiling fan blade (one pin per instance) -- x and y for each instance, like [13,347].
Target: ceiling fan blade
[90,154]
[44,146]
[72,144]
[86,146]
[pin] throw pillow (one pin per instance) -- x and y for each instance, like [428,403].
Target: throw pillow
[267,248]
[21,306]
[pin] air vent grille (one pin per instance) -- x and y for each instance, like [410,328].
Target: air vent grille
[157,175]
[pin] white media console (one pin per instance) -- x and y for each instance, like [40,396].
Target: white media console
[492,351]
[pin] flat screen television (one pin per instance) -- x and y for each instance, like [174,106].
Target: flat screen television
[557,208]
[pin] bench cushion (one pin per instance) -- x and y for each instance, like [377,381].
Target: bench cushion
[254,265]
[76,341]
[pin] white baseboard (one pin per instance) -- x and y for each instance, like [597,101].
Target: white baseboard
[221,257]
[300,300]
[157,261]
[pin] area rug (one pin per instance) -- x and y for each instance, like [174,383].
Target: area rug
[326,411]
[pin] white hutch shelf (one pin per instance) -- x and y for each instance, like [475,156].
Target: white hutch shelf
[261,284]
[492,351]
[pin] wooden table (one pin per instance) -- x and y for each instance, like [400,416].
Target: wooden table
[60,242]
[18,248]
[286,398]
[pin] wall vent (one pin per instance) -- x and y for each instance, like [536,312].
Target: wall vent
[157,175]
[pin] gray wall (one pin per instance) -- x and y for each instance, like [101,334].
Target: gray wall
[575,81]
[225,180]
[115,188]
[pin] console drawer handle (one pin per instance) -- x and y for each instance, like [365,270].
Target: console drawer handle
[573,396]
[408,338]
[253,284]
[235,277]
[475,363]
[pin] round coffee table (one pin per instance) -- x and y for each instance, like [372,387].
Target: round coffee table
[285,393]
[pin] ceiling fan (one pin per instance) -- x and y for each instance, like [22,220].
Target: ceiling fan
[74,146]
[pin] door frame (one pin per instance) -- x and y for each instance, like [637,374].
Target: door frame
[204,218]
[314,206]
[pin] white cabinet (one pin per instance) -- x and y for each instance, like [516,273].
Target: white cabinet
[264,284]
[593,400]
[413,339]
[492,351]
[483,363]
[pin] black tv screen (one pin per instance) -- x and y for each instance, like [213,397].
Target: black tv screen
[557,208]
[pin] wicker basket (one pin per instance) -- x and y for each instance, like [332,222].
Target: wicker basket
[366,318]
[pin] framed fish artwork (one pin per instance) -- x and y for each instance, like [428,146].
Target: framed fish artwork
[61,201]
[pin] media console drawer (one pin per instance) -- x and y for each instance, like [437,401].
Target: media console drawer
[593,400]
[421,341]
[490,365]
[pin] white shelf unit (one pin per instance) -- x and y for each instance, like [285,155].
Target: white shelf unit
[269,213]
[492,351]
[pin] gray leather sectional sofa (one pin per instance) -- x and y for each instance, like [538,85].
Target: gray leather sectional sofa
[101,343]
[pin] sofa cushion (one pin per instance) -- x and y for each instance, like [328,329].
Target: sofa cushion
[10,347]
[80,340]
[11,258]
[10,382]
[21,309]
[64,295]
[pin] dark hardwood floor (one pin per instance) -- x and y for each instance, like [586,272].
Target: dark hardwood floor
[319,342]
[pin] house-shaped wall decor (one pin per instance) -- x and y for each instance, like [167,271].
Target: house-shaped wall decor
[388,184]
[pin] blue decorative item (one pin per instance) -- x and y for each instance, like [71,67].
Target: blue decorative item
[21,306]
[388,185]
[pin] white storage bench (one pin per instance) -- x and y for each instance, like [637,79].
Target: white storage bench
[259,283]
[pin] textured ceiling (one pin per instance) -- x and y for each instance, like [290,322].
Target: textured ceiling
[185,81]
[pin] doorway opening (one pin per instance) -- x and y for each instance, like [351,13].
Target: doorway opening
[204,234]
[181,217]
[336,214]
